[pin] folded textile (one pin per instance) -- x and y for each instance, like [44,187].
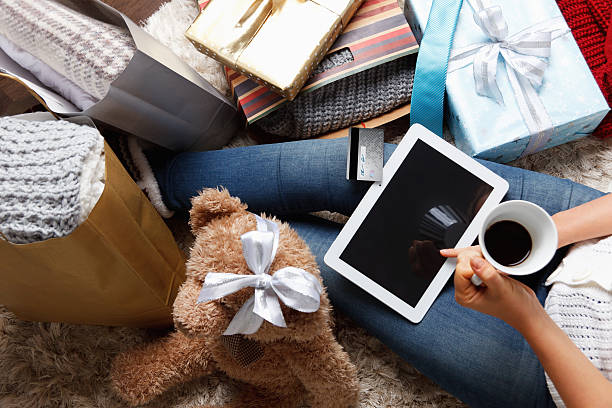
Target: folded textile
[51,177]
[590,22]
[47,75]
[88,52]
[340,104]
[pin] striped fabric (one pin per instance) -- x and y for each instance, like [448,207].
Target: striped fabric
[377,33]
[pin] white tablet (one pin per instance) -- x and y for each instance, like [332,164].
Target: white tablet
[432,196]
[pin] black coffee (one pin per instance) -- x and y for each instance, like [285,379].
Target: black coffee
[508,242]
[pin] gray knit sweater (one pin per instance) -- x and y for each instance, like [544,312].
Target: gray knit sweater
[40,172]
[343,103]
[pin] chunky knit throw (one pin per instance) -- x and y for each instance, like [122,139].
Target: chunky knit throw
[343,103]
[88,52]
[42,165]
[590,21]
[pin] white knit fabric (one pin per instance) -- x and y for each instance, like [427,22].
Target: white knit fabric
[580,303]
[88,52]
[145,179]
[47,75]
[92,180]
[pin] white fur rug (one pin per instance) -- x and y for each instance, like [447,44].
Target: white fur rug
[60,365]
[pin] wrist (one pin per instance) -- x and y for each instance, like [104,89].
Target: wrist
[563,235]
[533,322]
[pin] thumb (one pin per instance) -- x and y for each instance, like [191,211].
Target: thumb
[486,272]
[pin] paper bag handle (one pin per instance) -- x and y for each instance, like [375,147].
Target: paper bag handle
[4,74]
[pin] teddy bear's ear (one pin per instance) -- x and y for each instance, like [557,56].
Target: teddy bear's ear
[212,203]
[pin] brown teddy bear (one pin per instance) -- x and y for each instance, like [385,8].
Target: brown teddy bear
[253,307]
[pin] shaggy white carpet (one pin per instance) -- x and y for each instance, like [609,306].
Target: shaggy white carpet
[60,365]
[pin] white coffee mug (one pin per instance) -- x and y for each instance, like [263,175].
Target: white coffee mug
[539,225]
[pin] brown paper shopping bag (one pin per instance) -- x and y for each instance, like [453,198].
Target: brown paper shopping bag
[121,267]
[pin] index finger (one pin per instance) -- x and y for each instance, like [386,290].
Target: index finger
[455,252]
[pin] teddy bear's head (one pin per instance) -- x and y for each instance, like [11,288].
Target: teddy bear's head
[218,221]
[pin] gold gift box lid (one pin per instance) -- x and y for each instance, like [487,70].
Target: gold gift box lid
[275,42]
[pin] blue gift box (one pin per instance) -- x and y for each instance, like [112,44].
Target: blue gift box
[496,131]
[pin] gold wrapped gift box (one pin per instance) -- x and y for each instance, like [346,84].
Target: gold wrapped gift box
[275,42]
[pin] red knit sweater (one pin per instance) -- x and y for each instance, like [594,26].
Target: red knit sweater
[589,21]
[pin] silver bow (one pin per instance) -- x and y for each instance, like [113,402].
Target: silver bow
[295,287]
[525,55]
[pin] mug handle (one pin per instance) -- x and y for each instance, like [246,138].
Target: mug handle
[476,280]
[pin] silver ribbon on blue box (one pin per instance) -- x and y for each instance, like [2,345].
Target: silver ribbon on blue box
[517,82]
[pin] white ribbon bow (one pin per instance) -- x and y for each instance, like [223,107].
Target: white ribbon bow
[525,55]
[296,288]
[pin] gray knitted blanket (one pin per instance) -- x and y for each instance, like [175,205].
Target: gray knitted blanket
[41,164]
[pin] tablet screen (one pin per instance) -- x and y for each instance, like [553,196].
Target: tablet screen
[426,206]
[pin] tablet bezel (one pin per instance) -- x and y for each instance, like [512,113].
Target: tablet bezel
[332,257]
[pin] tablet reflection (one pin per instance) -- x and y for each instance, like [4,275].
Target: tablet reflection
[424,259]
[441,227]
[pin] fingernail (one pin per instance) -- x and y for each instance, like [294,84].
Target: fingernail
[477,263]
[445,251]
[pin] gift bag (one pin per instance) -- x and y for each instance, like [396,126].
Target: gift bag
[121,266]
[156,97]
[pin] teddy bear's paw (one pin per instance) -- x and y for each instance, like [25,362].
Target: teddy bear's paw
[141,374]
[132,381]
[346,399]
[252,397]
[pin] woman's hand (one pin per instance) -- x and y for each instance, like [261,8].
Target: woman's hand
[499,296]
[578,382]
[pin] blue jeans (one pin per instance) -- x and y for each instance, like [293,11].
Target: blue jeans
[478,358]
